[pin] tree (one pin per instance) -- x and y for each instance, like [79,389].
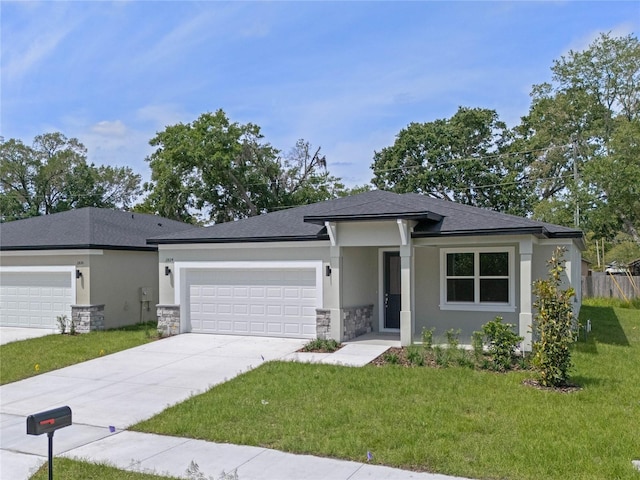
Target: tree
[616,176]
[459,159]
[572,130]
[215,170]
[553,325]
[53,176]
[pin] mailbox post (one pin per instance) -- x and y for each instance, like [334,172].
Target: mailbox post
[48,422]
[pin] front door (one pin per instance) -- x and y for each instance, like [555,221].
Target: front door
[392,290]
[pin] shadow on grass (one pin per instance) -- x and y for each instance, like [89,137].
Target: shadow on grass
[605,327]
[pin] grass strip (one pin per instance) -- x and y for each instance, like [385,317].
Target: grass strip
[77,470]
[27,358]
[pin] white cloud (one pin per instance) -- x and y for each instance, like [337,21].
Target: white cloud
[160,116]
[24,58]
[583,42]
[108,129]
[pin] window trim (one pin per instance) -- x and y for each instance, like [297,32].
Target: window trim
[477,305]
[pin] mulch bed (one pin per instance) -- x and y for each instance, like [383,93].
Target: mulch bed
[401,354]
[569,388]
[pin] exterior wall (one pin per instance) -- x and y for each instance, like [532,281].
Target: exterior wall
[571,277]
[427,297]
[81,259]
[374,234]
[116,279]
[360,279]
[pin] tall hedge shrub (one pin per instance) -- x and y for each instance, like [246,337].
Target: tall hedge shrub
[553,325]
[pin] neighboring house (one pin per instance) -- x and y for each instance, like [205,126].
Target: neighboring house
[90,264]
[377,261]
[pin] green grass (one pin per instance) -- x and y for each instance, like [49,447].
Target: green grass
[27,358]
[454,421]
[75,470]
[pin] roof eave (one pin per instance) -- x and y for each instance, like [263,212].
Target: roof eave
[321,219]
[184,241]
[77,247]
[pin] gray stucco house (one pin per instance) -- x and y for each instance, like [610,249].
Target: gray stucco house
[90,264]
[373,262]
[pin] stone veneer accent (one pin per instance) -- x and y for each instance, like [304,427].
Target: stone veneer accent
[168,320]
[87,318]
[357,321]
[323,324]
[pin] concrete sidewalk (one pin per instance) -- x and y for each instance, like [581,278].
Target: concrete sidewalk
[110,393]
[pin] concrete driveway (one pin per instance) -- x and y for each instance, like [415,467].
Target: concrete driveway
[121,389]
[13,334]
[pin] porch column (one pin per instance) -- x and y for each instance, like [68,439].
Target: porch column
[525,320]
[407,321]
[334,299]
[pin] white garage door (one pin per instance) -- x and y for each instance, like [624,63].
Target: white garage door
[34,299]
[264,302]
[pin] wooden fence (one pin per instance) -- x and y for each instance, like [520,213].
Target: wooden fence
[616,286]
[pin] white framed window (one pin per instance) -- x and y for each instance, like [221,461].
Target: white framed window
[479,279]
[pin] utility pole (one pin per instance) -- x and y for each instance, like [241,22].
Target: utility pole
[576,179]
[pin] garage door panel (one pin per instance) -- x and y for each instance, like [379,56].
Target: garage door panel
[35,299]
[276,302]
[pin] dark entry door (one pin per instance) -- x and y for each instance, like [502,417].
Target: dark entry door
[392,290]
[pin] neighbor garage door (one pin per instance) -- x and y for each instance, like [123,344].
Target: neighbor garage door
[275,302]
[34,299]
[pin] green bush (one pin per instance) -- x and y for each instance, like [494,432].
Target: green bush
[415,356]
[553,325]
[427,338]
[328,345]
[502,342]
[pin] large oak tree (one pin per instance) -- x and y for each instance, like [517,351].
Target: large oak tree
[53,175]
[216,170]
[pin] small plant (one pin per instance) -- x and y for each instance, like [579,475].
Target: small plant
[553,324]
[62,323]
[414,355]
[502,343]
[477,342]
[441,356]
[391,358]
[453,338]
[72,327]
[427,338]
[327,345]
[193,473]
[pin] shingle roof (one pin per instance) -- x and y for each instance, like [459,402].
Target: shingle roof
[435,217]
[87,228]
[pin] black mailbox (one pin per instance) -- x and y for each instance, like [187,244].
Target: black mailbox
[49,421]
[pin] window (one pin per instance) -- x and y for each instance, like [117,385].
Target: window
[477,279]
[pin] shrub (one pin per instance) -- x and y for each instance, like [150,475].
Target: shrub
[62,323]
[502,342]
[391,358]
[414,355]
[453,339]
[321,345]
[427,338]
[552,325]
[477,343]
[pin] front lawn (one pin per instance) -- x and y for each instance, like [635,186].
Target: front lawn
[26,358]
[455,420]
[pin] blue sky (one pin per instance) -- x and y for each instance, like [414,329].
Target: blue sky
[346,76]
